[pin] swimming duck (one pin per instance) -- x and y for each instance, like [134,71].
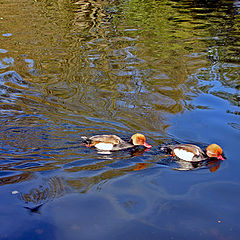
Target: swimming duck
[115,143]
[193,153]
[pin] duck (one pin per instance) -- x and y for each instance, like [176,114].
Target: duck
[193,153]
[115,143]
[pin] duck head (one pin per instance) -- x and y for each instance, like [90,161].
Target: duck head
[214,151]
[139,139]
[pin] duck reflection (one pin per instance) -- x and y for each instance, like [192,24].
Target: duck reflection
[180,165]
[140,166]
[213,165]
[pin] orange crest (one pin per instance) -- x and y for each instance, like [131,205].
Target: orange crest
[213,150]
[138,139]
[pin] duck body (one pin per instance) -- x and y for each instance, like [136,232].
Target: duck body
[115,143]
[193,153]
[107,142]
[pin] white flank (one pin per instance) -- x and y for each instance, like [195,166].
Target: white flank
[104,146]
[183,154]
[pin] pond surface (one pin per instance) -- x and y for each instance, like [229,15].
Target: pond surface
[167,69]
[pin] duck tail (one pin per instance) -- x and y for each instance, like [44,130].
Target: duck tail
[166,149]
[85,139]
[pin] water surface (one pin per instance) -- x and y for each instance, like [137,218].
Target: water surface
[167,69]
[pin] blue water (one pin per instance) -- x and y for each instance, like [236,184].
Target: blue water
[168,69]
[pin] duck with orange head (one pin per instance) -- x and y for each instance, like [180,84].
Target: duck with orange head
[115,143]
[193,153]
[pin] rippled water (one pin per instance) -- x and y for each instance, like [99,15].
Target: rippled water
[167,69]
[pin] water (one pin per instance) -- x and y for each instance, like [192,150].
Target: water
[167,69]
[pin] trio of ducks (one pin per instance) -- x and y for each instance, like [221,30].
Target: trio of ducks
[186,152]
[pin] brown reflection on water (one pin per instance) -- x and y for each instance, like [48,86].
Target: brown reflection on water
[85,63]
[16,178]
[84,184]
